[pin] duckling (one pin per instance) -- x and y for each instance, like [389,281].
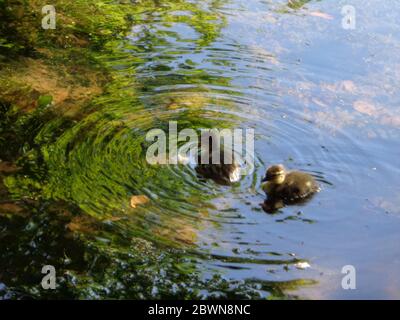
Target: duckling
[288,187]
[225,172]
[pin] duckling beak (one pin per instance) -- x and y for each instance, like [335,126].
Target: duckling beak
[265,179]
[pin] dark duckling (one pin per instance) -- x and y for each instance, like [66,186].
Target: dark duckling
[226,172]
[284,187]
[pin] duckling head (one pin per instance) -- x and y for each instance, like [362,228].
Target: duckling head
[275,174]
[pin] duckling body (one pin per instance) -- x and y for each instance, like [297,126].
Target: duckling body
[289,187]
[225,172]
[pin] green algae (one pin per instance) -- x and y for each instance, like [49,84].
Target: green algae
[76,174]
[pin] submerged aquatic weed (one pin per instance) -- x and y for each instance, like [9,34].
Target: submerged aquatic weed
[77,173]
[76,168]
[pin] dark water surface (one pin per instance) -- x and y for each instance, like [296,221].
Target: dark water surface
[320,98]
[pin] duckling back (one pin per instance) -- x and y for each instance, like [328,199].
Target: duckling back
[296,187]
[225,172]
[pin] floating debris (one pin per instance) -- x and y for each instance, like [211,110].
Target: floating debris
[302,265]
[139,200]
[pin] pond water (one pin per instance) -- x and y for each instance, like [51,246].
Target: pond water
[320,98]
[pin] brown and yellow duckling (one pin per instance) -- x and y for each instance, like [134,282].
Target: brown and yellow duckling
[284,187]
[226,172]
